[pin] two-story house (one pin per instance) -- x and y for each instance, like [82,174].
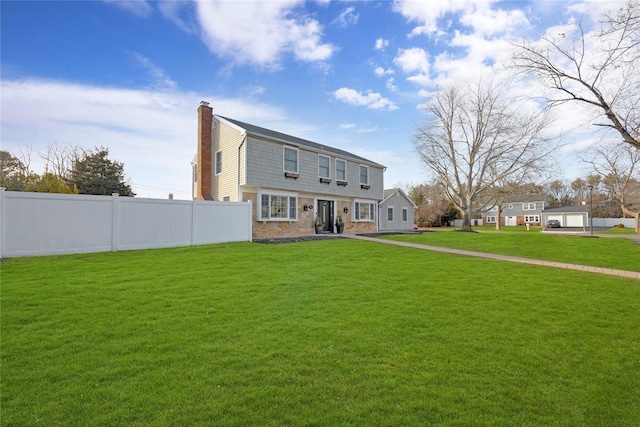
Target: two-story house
[518,210]
[292,183]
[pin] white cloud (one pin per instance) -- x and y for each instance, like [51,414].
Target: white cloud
[347,125]
[414,61]
[140,8]
[381,72]
[381,44]
[152,131]
[371,100]
[261,33]
[391,85]
[158,75]
[346,18]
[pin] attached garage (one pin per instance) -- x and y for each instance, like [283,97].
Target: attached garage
[569,216]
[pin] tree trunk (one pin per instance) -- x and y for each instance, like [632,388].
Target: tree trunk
[635,215]
[466,220]
[498,218]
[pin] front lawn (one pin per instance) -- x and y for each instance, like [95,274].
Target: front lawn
[336,332]
[618,253]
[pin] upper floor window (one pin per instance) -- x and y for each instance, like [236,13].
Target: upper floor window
[323,166]
[291,159]
[341,170]
[364,175]
[218,162]
[529,206]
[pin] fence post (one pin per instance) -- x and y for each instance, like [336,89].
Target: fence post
[193,222]
[115,223]
[1,221]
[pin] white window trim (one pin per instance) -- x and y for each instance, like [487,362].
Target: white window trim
[328,167]
[528,206]
[281,194]
[532,218]
[284,159]
[405,214]
[491,219]
[345,169]
[218,169]
[360,175]
[393,214]
[372,209]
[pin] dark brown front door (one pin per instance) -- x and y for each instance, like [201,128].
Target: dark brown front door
[325,210]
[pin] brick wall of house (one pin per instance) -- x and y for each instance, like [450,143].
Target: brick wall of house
[304,225]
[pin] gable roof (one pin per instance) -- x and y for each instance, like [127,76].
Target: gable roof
[299,142]
[387,194]
[528,198]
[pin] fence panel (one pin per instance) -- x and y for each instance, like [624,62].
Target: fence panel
[46,224]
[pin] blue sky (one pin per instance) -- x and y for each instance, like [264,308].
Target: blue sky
[129,75]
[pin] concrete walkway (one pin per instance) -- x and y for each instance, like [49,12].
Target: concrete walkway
[590,269]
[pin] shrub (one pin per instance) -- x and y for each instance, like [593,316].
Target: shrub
[618,226]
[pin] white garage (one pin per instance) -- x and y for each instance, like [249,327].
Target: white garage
[569,216]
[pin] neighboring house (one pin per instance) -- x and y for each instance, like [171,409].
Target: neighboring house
[518,210]
[290,181]
[396,211]
[569,216]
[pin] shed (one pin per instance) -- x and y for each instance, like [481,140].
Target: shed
[396,211]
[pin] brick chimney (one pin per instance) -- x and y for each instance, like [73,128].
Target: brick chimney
[204,159]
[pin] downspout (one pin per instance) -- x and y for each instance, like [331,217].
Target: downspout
[242,144]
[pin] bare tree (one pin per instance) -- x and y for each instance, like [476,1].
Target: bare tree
[619,167]
[475,138]
[59,159]
[601,72]
[560,193]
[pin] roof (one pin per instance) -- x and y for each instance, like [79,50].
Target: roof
[390,192]
[566,209]
[299,142]
[530,197]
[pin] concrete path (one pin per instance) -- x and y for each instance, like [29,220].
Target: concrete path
[601,270]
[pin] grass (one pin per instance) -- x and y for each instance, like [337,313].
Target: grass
[317,333]
[621,253]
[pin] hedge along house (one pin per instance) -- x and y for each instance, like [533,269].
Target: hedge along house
[292,183]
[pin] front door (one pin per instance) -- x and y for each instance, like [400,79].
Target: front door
[325,210]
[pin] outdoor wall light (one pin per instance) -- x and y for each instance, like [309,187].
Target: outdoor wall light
[307,207]
[345,210]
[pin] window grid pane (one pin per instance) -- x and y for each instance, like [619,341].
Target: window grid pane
[293,214]
[323,167]
[390,214]
[290,160]
[341,170]
[364,175]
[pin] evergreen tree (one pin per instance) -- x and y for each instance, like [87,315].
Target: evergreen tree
[94,173]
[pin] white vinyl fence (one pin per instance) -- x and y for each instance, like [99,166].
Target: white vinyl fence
[47,224]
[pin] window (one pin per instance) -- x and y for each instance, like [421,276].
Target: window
[341,170]
[218,162]
[290,159]
[226,199]
[532,218]
[363,211]
[278,207]
[529,206]
[323,166]
[405,214]
[364,175]
[390,214]
[491,219]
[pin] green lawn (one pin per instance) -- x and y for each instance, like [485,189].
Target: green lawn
[336,332]
[619,253]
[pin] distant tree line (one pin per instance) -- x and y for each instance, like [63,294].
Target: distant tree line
[68,169]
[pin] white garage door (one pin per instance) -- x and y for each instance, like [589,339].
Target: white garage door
[575,220]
